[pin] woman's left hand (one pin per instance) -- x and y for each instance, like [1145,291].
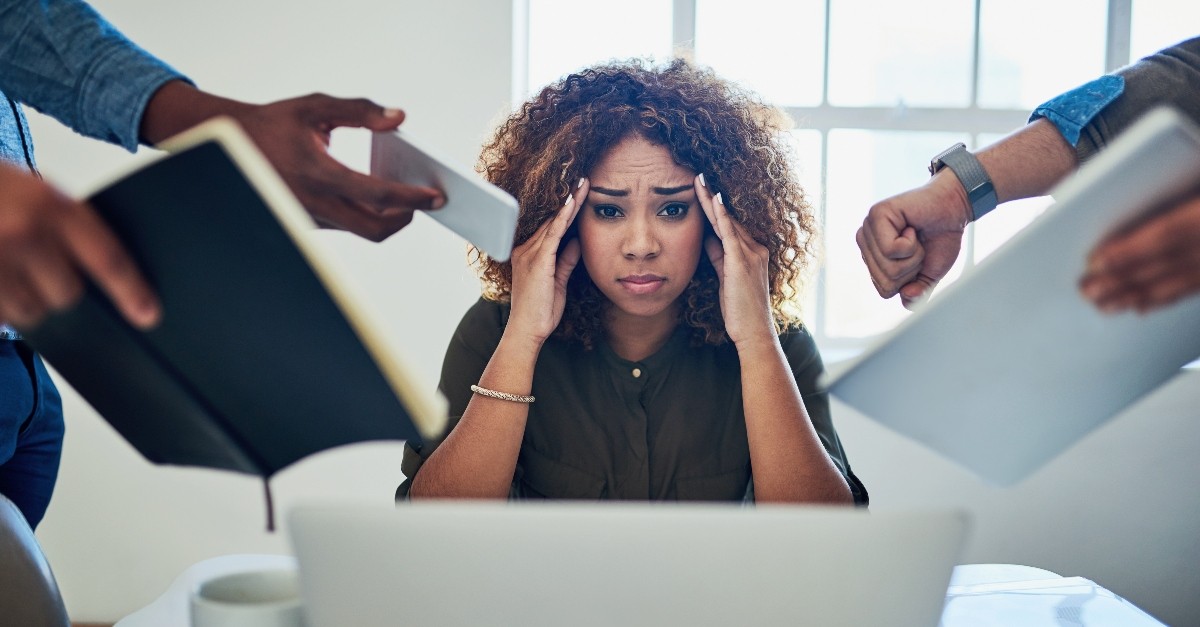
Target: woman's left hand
[742,269]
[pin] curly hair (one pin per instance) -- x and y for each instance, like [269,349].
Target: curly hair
[707,123]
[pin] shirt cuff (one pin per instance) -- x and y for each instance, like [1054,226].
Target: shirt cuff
[1072,111]
[116,91]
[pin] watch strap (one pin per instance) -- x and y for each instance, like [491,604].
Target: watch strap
[981,194]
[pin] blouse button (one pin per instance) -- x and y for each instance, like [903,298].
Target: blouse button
[637,372]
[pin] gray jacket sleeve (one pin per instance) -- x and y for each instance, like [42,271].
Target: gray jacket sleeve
[1170,77]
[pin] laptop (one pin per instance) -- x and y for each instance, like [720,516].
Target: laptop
[1010,365]
[627,564]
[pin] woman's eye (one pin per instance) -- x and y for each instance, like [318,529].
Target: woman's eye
[607,211]
[674,210]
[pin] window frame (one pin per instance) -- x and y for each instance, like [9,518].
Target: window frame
[824,117]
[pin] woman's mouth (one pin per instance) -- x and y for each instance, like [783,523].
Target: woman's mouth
[642,283]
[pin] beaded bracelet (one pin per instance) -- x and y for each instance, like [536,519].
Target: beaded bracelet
[504,396]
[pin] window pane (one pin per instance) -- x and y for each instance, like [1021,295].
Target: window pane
[888,53]
[1025,61]
[1160,23]
[997,227]
[567,35]
[865,167]
[806,146]
[776,49]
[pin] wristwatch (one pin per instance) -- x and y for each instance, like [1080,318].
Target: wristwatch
[975,180]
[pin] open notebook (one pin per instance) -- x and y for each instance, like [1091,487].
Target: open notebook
[1010,365]
[264,355]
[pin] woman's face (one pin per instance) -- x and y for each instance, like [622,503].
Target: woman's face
[641,228]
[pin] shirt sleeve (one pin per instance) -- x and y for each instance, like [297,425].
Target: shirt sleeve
[1090,116]
[471,347]
[65,60]
[807,368]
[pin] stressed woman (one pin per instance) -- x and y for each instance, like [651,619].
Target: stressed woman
[642,342]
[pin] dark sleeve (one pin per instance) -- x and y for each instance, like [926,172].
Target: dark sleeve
[1168,77]
[807,368]
[469,352]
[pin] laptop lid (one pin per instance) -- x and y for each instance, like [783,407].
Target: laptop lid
[1010,365]
[628,564]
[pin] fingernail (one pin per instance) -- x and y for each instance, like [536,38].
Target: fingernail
[718,199]
[580,184]
[570,197]
[391,113]
[702,183]
[438,202]
[148,313]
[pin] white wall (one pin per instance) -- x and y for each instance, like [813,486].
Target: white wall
[1118,508]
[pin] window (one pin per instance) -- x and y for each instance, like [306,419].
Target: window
[876,90]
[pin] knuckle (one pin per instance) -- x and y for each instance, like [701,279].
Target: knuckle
[67,295]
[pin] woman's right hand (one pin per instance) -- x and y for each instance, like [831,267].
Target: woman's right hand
[540,273]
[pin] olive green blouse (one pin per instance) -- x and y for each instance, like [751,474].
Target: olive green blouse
[669,427]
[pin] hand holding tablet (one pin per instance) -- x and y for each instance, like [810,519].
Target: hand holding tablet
[482,213]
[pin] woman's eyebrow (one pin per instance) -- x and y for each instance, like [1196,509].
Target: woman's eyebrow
[662,191]
[610,192]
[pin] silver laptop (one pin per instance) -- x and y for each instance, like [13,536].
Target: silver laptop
[627,565]
[1010,365]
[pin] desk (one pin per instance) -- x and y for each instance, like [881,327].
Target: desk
[1002,595]
[980,595]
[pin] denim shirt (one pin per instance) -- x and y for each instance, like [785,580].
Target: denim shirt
[65,60]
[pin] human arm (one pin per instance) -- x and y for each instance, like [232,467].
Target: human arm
[910,241]
[788,460]
[1158,261]
[294,135]
[65,60]
[478,457]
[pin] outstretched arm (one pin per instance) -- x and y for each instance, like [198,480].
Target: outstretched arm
[909,241]
[294,136]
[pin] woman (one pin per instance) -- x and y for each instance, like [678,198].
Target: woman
[640,344]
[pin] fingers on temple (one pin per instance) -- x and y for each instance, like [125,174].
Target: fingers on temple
[556,228]
[567,260]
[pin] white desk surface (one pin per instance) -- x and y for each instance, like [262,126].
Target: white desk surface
[980,595]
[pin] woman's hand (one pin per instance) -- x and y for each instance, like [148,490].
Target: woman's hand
[540,273]
[741,264]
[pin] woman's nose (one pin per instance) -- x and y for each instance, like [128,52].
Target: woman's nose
[640,241]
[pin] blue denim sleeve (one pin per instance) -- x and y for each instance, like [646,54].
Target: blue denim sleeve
[1073,110]
[63,59]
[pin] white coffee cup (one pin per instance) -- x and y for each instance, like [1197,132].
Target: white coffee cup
[260,598]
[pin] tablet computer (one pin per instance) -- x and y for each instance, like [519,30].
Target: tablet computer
[1010,365]
[485,215]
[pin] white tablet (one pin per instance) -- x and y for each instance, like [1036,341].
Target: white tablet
[1010,365]
[482,213]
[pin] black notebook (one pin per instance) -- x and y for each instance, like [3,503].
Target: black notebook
[263,355]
